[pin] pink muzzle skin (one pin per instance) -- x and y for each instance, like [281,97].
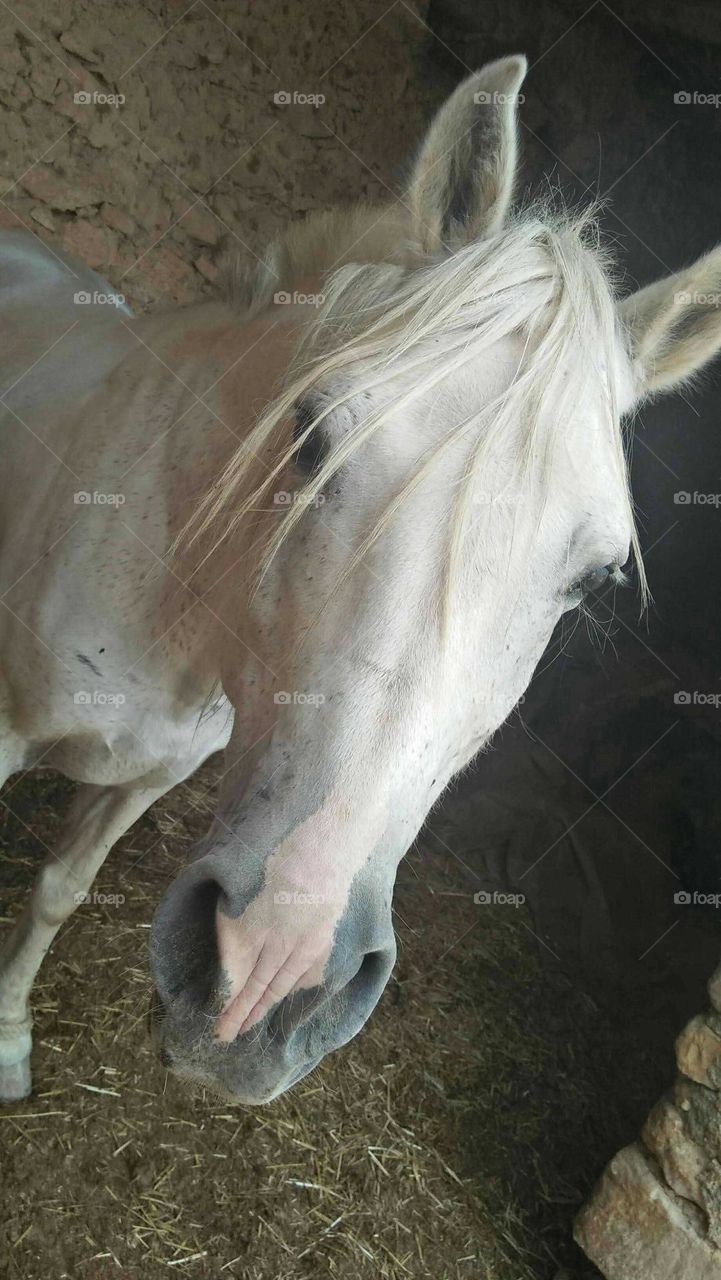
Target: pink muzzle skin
[282,941]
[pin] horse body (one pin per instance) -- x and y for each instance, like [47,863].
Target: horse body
[87,688]
[441,478]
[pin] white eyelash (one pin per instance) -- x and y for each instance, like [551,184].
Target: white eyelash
[619,578]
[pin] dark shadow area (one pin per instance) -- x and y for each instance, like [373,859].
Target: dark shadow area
[600,800]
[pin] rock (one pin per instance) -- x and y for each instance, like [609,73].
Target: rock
[52,188]
[94,245]
[44,83]
[698,1053]
[22,92]
[199,222]
[636,1228]
[682,1161]
[711,1200]
[714,989]
[12,62]
[168,276]
[150,211]
[39,213]
[76,41]
[182,52]
[100,131]
[701,1108]
[117,219]
[206,267]
[233,209]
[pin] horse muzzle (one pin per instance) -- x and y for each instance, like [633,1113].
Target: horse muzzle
[297,1031]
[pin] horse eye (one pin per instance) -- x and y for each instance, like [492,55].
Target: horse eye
[311,452]
[594,581]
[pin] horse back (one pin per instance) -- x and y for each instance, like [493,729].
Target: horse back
[34,274]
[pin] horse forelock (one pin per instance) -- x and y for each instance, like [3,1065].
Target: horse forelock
[400,317]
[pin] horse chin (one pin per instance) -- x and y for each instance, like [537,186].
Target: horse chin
[200,1079]
[198,1083]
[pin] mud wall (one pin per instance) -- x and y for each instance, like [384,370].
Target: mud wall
[143,136]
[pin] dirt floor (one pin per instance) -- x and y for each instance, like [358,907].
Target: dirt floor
[517,1047]
[455,1138]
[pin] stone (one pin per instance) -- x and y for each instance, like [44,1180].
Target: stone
[698,1053]
[54,189]
[206,267]
[150,211]
[39,213]
[100,132]
[21,92]
[634,1227]
[235,208]
[199,222]
[682,1160]
[168,276]
[93,245]
[711,1200]
[12,61]
[117,219]
[15,130]
[714,989]
[701,1108]
[44,83]
[181,51]
[76,41]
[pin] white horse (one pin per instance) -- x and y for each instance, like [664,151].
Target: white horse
[332,539]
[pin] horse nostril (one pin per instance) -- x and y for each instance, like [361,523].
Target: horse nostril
[166,1058]
[371,974]
[183,951]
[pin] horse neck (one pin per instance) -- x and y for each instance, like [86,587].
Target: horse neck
[225,369]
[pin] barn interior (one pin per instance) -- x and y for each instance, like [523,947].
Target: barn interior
[519,1044]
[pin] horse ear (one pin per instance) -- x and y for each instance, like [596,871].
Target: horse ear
[462,182]
[675,324]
